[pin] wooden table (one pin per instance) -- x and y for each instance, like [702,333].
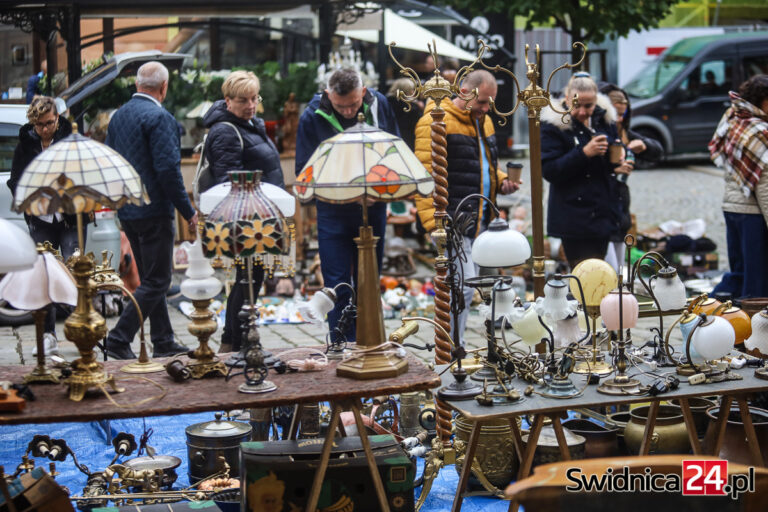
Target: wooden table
[53,406]
[553,408]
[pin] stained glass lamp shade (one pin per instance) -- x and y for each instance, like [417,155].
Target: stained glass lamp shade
[80,175]
[359,164]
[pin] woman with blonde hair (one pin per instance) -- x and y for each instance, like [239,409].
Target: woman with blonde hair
[583,209]
[237,140]
[45,128]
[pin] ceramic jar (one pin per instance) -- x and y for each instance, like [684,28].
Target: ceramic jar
[669,433]
[495,451]
[734,447]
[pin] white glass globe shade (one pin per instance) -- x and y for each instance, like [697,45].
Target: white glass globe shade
[17,250]
[499,246]
[714,338]
[200,289]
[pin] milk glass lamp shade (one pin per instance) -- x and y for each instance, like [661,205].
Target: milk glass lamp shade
[17,250]
[526,323]
[78,175]
[247,223]
[713,338]
[554,305]
[315,310]
[609,310]
[47,282]
[362,161]
[597,278]
[668,289]
[759,337]
[499,246]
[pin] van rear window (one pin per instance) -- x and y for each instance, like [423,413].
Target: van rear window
[654,77]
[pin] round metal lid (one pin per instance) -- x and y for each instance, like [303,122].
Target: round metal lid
[219,428]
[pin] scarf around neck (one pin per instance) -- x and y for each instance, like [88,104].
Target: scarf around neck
[740,143]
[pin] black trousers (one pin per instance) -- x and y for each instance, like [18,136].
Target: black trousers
[237,296]
[579,249]
[152,245]
[61,236]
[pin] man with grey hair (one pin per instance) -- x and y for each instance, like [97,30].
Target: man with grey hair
[329,113]
[147,135]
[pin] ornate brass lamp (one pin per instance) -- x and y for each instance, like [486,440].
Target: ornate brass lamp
[47,282]
[248,226]
[364,163]
[78,176]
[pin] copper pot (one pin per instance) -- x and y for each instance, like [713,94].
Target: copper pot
[495,450]
[669,432]
[600,441]
[547,449]
[699,406]
[618,421]
[734,446]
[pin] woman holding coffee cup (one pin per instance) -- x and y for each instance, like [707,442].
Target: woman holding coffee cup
[583,208]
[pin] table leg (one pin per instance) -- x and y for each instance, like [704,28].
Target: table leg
[533,437]
[722,421]
[650,424]
[749,429]
[517,438]
[293,432]
[325,456]
[561,442]
[466,470]
[690,426]
[377,483]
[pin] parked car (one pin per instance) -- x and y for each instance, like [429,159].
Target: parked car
[679,98]
[104,233]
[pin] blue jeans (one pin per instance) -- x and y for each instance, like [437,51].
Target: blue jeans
[63,237]
[152,245]
[747,237]
[337,226]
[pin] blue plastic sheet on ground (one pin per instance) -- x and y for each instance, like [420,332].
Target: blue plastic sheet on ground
[92,448]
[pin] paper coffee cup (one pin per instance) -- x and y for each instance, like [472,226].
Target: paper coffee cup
[615,153]
[514,172]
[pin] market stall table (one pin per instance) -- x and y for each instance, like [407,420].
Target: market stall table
[51,404]
[541,407]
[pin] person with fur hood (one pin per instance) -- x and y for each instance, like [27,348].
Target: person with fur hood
[740,145]
[583,208]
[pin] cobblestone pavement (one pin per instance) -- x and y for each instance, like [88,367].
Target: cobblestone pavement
[680,193]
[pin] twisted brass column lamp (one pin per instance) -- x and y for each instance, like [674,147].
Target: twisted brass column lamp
[78,176]
[438,89]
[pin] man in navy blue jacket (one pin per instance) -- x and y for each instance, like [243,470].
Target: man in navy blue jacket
[147,136]
[326,115]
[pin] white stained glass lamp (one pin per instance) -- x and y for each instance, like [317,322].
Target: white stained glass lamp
[79,175]
[359,164]
[668,289]
[499,246]
[17,250]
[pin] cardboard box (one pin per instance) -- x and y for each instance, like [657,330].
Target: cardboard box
[280,473]
[36,491]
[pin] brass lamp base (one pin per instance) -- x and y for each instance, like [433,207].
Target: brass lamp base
[143,367]
[372,365]
[762,373]
[619,385]
[42,375]
[687,370]
[211,368]
[83,379]
[595,367]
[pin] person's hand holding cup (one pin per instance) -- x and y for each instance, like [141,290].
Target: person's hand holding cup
[597,146]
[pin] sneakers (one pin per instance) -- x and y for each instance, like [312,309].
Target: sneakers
[168,348]
[119,351]
[50,345]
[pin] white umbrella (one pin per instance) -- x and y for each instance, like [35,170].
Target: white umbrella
[404,32]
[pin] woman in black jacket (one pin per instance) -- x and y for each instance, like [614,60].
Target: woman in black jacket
[583,207]
[237,140]
[45,127]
